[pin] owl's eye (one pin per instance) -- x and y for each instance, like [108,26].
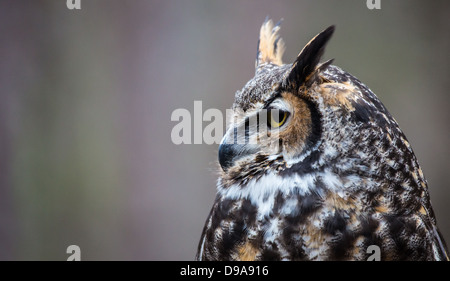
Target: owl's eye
[276,118]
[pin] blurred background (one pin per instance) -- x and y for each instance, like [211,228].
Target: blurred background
[86,98]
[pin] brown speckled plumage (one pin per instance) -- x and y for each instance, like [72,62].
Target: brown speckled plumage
[337,177]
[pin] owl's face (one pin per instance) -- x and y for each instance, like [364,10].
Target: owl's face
[269,122]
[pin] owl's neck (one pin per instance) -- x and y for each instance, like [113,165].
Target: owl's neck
[272,188]
[299,181]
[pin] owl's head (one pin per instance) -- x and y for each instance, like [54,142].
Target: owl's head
[307,117]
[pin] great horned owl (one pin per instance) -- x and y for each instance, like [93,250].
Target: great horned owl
[332,175]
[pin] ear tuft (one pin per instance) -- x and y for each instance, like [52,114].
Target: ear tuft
[270,45]
[306,65]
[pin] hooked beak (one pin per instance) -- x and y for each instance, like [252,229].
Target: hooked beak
[229,152]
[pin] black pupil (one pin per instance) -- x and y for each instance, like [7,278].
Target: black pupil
[275,116]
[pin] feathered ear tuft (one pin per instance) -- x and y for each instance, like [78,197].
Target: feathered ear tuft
[270,45]
[306,65]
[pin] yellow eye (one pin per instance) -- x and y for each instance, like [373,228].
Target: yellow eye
[276,118]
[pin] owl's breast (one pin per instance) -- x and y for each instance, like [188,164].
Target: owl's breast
[278,218]
[304,219]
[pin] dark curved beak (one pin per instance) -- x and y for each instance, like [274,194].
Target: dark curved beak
[229,153]
[226,155]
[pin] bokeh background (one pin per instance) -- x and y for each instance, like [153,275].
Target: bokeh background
[86,98]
